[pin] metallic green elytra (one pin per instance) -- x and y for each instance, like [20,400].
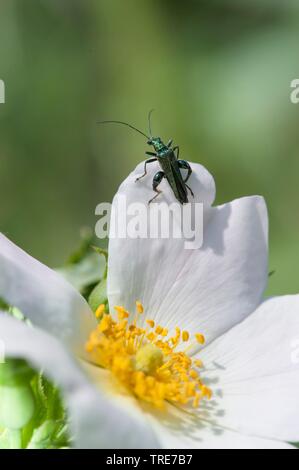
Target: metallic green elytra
[168,159]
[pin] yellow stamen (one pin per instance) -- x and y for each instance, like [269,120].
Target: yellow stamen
[193,374]
[151,323]
[158,330]
[198,363]
[121,312]
[139,307]
[200,338]
[206,392]
[99,311]
[185,336]
[146,362]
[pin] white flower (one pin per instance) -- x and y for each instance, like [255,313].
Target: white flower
[217,290]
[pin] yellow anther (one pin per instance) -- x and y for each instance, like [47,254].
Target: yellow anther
[200,338]
[185,336]
[100,310]
[132,327]
[139,307]
[121,313]
[198,363]
[151,323]
[206,392]
[119,309]
[151,336]
[105,323]
[193,374]
[164,332]
[159,330]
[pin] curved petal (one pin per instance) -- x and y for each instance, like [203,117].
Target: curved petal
[43,296]
[255,371]
[180,430]
[95,421]
[208,289]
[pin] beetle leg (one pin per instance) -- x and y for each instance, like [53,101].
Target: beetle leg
[185,166]
[169,143]
[192,193]
[156,181]
[150,160]
[177,150]
[151,153]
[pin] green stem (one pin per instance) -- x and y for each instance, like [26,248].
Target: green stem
[15,438]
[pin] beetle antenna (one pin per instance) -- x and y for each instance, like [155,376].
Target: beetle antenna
[149,121]
[125,124]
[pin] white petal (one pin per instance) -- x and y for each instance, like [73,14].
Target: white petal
[182,431]
[43,295]
[96,422]
[176,429]
[209,289]
[255,372]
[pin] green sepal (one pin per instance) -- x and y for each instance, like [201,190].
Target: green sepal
[50,435]
[49,407]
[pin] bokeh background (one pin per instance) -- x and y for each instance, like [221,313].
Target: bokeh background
[218,74]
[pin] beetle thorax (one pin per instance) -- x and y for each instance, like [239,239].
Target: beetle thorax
[158,144]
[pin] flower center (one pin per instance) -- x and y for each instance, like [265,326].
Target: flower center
[145,360]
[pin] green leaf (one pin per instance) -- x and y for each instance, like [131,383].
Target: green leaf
[84,247]
[87,272]
[104,253]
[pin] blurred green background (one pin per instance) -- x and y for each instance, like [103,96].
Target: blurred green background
[218,74]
